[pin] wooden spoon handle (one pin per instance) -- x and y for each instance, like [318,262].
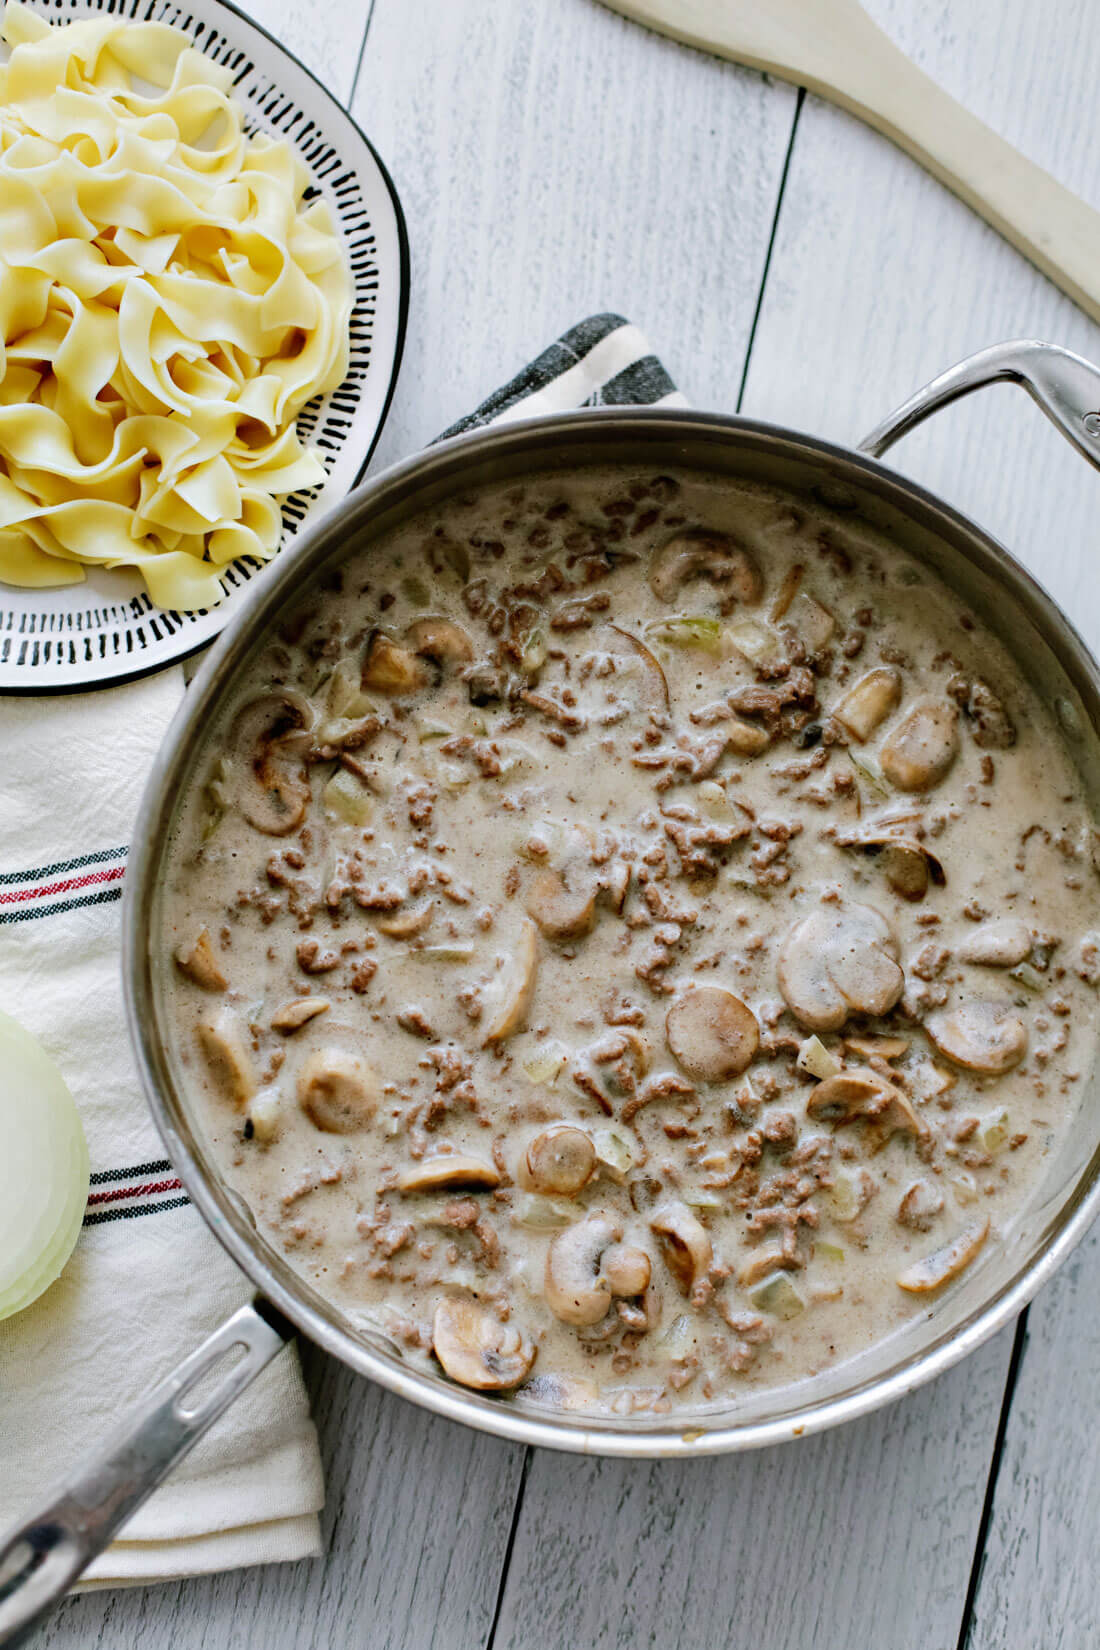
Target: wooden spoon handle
[834,49]
[1051,226]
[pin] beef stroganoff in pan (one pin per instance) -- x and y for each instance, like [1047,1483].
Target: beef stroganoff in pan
[636,938]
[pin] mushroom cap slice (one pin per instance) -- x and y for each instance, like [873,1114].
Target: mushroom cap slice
[908,864]
[560,1161]
[840,960]
[298,1013]
[1001,944]
[980,1036]
[562,911]
[575,1289]
[562,1391]
[944,1264]
[449,1170]
[921,749]
[267,736]
[390,668]
[440,640]
[337,1091]
[201,963]
[685,1244]
[701,553]
[627,1269]
[712,1033]
[519,990]
[476,1349]
[228,1058]
[861,1094]
[868,702]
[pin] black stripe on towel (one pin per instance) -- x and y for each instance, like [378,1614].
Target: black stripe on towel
[100,1217]
[641,383]
[564,353]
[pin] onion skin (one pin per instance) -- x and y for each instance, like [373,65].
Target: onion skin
[44,1191]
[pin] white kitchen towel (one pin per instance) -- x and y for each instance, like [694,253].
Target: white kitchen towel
[147,1281]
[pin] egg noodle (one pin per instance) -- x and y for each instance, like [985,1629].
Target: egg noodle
[168,304]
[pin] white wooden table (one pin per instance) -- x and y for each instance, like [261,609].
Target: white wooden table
[554,160]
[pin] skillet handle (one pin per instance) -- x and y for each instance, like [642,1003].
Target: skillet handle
[41,1559]
[1066,387]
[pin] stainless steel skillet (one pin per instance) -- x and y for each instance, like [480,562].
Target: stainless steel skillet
[43,1558]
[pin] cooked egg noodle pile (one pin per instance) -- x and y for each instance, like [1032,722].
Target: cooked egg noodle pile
[169,303]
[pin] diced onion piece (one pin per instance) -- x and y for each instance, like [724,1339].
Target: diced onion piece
[778,1295]
[347,798]
[546,1063]
[1028,977]
[548,1214]
[679,1338]
[613,1152]
[828,1251]
[43,1170]
[993,1130]
[695,1198]
[713,798]
[687,630]
[815,1058]
[757,643]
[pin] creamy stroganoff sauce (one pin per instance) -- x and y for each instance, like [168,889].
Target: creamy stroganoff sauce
[633,940]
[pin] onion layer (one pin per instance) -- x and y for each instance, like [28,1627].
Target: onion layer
[43,1169]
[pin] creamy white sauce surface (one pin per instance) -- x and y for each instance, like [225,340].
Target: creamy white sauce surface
[627,925]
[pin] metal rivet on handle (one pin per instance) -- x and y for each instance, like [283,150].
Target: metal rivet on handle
[1091,421]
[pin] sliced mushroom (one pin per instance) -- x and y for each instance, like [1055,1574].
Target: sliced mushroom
[920,1206]
[337,1091]
[265,1114]
[627,1270]
[840,960]
[392,669]
[980,1036]
[685,1244]
[745,738]
[712,1033]
[618,641]
[1001,944]
[268,738]
[944,1264]
[559,1162]
[991,726]
[298,1013]
[402,925]
[476,1349]
[519,988]
[700,553]
[921,749]
[447,1171]
[768,1258]
[440,640]
[861,1094]
[201,963]
[868,702]
[226,1050]
[882,1048]
[575,1288]
[908,865]
[563,906]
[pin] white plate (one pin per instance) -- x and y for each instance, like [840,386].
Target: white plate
[106,630]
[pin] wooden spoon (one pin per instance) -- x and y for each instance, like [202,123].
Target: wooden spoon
[834,49]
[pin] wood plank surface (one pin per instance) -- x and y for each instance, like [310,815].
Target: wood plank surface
[880,279]
[1039,1583]
[863,1536]
[554,161]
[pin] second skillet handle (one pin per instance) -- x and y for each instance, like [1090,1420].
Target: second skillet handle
[41,1559]
[1066,387]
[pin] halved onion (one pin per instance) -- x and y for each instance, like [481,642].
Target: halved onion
[43,1169]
